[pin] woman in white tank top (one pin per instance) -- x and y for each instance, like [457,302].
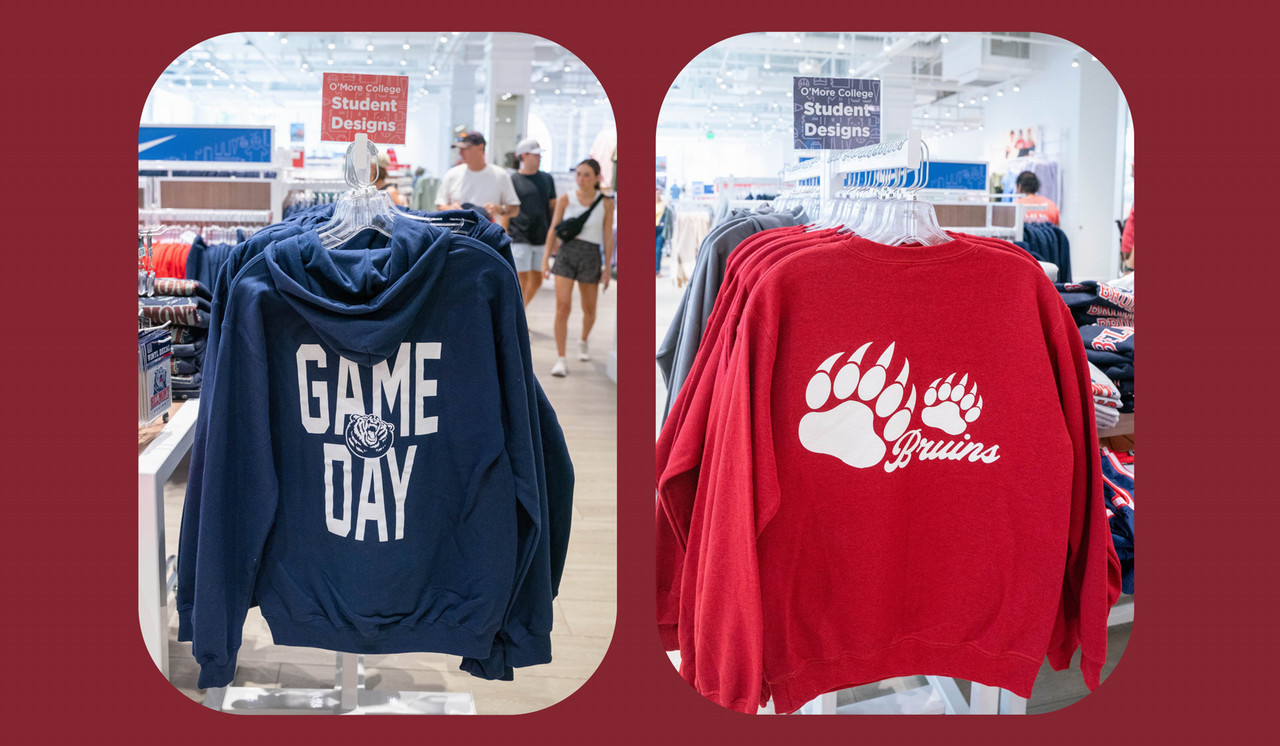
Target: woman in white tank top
[580,260]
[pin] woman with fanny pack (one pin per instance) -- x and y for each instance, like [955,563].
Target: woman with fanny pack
[583,223]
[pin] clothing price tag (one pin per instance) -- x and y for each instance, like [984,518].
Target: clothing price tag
[155,395]
[376,105]
[835,113]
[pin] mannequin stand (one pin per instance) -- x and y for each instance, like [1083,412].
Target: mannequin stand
[347,697]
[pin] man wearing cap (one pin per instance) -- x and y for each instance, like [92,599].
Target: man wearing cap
[528,230]
[476,182]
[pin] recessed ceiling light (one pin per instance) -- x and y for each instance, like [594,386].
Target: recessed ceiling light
[444,40]
[945,39]
[271,33]
[405,46]
[284,39]
[369,61]
[332,45]
[557,91]
[403,62]
[1016,87]
[568,68]
[985,97]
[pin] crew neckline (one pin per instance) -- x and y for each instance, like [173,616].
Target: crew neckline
[910,254]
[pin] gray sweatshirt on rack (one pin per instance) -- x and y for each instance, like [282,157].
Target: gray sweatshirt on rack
[680,346]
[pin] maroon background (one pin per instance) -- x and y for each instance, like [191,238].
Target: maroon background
[77,75]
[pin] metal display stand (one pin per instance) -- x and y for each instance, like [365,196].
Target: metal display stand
[347,697]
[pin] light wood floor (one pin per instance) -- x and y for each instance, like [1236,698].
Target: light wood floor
[586,403]
[1054,690]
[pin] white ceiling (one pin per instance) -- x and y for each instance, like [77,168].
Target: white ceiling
[745,82]
[283,68]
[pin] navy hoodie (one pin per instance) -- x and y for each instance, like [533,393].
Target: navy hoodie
[370,475]
[558,466]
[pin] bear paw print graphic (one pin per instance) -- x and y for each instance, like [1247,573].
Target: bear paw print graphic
[950,408]
[854,413]
[368,435]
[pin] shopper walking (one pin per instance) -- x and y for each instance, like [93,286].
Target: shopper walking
[662,217]
[476,182]
[579,259]
[1045,209]
[528,230]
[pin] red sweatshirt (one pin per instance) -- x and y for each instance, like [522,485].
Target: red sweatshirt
[680,445]
[899,478]
[686,429]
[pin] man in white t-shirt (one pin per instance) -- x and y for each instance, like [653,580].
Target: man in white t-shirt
[478,183]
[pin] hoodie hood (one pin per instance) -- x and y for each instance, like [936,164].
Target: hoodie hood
[362,299]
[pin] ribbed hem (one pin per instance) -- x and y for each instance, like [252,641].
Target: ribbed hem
[217,674]
[1012,671]
[393,638]
[184,624]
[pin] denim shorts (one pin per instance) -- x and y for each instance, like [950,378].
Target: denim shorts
[528,256]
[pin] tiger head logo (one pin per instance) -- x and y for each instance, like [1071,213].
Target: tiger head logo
[368,436]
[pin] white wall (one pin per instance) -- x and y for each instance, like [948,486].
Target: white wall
[692,157]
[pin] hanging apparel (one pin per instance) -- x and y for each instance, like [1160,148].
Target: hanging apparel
[679,449]
[680,345]
[832,540]
[1049,243]
[523,638]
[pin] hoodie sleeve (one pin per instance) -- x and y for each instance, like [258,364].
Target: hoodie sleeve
[723,655]
[236,509]
[560,481]
[189,531]
[1091,583]
[525,637]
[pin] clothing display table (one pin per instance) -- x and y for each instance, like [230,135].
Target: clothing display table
[160,449]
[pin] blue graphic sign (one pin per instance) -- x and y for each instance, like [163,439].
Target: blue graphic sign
[835,113]
[205,143]
[941,175]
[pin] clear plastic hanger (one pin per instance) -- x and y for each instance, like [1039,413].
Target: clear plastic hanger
[363,207]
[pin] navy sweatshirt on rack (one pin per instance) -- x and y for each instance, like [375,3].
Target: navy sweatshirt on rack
[559,473]
[327,296]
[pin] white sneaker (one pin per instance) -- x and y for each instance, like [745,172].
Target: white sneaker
[584,354]
[561,368]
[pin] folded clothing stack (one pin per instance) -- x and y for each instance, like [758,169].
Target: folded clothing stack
[1097,303]
[1110,348]
[185,304]
[1106,399]
[1117,487]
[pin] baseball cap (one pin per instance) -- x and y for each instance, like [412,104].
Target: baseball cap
[528,145]
[469,138]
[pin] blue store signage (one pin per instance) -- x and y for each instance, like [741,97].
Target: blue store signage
[205,143]
[836,113]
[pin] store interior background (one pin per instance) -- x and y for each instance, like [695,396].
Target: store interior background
[507,86]
[729,115]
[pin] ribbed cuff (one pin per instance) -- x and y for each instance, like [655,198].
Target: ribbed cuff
[184,624]
[1092,671]
[532,649]
[218,674]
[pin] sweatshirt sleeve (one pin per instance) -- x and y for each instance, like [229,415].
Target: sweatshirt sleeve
[236,509]
[725,660]
[189,531]
[1091,583]
[525,637]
